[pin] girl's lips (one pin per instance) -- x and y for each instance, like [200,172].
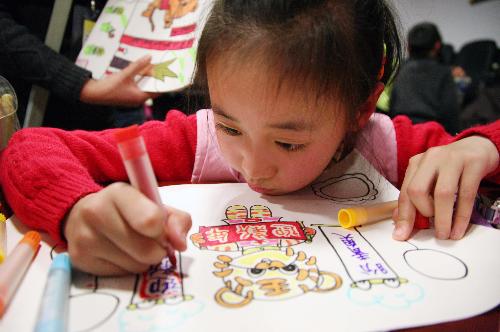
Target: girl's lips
[259,189]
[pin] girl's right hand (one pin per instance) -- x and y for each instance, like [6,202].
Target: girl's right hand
[118,230]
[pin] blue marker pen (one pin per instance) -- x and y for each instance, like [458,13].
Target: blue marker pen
[53,312]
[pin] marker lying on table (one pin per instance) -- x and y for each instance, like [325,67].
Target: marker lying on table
[138,166]
[53,312]
[3,238]
[15,266]
[363,215]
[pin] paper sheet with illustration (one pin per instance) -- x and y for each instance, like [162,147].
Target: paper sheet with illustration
[126,30]
[282,263]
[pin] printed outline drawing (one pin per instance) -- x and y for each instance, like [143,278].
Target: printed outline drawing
[427,274]
[369,192]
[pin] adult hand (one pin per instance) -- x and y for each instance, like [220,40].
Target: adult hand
[118,230]
[442,183]
[119,89]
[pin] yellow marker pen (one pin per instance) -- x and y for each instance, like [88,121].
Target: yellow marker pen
[363,215]
[3,238]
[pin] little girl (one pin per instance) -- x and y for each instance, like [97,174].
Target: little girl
[292,86]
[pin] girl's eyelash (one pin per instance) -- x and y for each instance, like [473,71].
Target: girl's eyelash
[227,130]
[291,147]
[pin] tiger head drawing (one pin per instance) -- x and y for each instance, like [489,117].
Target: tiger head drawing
[270,273]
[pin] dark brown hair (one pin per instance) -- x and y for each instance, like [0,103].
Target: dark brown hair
[334,48]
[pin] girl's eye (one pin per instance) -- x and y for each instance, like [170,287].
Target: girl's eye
[291,147]
[227,130]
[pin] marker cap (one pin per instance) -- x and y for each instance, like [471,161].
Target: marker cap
[32,238]
[130,142]
[61,262]
[352,217]
[126,134]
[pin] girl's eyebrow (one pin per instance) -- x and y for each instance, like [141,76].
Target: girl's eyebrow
[217,110]
[287,125]
[291,125]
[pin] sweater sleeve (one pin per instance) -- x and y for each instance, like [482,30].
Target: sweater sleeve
[45,171]
[414,139]
[25,56]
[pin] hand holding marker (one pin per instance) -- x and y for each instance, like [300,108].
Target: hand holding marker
[139,169]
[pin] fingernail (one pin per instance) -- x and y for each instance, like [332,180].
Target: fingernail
[398,232]
[441,235]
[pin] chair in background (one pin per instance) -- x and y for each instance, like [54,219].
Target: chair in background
[448,54]
[478,59]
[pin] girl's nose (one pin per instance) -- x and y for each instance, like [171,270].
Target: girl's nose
[258,167]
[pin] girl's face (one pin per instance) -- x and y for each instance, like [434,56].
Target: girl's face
[276,140]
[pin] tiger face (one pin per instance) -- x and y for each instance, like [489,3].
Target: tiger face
[270,274]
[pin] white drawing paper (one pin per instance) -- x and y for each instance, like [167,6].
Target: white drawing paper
[282,263]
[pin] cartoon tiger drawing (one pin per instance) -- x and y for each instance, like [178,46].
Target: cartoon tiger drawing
[173,9]
[270,273]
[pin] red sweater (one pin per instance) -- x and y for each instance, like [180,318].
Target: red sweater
[45,171]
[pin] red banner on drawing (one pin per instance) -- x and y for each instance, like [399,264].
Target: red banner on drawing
[160,45]
[184,30]
[262,231]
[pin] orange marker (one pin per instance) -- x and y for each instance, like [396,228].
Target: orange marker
[15,266]
[363,215]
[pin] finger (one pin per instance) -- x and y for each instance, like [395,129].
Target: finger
[469,184]
[97,245]
[108,251]
[405,210]
[142,214]
[98,267]
[134,68]
[395,214]
[421,186]
[147,71]
[177,227]
[132,227]
[444,199]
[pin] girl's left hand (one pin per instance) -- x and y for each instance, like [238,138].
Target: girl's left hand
[437,178]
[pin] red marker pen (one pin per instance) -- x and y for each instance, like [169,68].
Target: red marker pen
[137,163]
[138,166]
[421,222]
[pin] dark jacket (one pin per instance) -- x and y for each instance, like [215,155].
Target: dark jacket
[26,60]
[424,90]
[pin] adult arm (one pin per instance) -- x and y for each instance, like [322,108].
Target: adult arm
[26,57]
[44,171]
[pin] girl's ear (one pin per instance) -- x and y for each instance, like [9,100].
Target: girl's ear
[368,108]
